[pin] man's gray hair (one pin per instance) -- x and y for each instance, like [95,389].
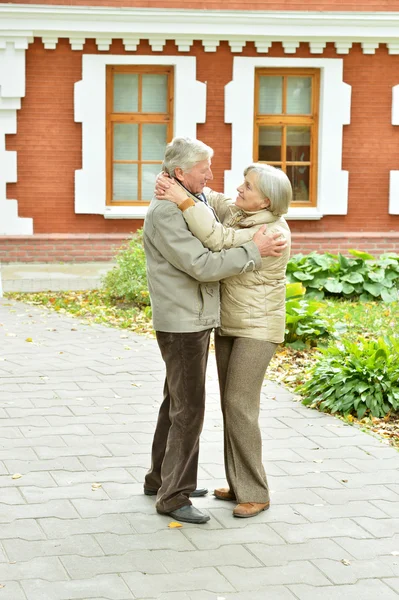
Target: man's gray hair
[184,152]
[274,184]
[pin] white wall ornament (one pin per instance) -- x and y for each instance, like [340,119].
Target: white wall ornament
[12,89]
[335,100]
[394,175]
[90,110]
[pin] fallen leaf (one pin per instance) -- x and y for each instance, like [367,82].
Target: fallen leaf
[345,562]
[96,486]
[344,480]
[16,476]
[174,525]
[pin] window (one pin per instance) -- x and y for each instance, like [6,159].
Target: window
[139,125]
[286,126]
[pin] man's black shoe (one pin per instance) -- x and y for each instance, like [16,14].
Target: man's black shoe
[189,514]
[195,494]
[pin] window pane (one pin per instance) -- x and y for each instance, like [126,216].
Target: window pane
[299,177]
[125,183]
[299,95]
[125,92]
[270,95]
[125,141]
[270,139]
[148,175]
[155,88]
[298,144]
[154,142]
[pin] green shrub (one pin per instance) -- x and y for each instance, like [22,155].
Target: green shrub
[363,276]
[127,281]
[356,378]
[304,324]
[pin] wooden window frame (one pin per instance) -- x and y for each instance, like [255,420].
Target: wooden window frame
[311,121]
[138,118]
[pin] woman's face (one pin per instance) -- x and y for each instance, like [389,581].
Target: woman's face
[249,199]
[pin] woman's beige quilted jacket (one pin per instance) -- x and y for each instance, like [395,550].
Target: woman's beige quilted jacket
[252,304]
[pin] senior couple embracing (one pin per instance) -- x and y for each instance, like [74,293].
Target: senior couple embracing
[214,263]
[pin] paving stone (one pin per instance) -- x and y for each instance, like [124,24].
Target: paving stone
[392,582]
[111,475]
[316,466]
[12,591]
[11,495]
[177,562]
[285,553]
[30,466]
[48,568]
[371,493]
[112,587]
[353,570]
[59,528]
[144,561]
[49,440]
[252,579]
[204,539]
[197,579]
[369,548]
[391,508]
[369,589]
[379,528]
[27,529]
[166,539]
[330,529]
[350,509]
[84,545]
[54,508]
[273,592]
[276,514]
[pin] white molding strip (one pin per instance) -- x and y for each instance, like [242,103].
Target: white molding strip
[209,26]
[335,101]
[12,89]
[394,175]
[189,109]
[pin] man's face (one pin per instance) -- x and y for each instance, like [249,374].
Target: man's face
[196,178]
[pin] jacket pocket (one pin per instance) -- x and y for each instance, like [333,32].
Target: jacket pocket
[208,304]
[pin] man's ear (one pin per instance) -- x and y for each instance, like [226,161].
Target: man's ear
[179,174]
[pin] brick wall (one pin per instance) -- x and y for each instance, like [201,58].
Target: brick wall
[49,248]
[48,141]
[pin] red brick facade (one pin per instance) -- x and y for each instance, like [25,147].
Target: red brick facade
[48,141]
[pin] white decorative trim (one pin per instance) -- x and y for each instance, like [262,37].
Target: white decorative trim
[131,43]
[237,45]
[50,42]
[184,44]
[77,43]
[210,44]
[103,44]
[263,45]
[12,89]
[290,46]
[189,109]
[394,175]
[157,44]
[343,46]
[335,98]
[393,47]
[79,23]
[369,47]
[317,47]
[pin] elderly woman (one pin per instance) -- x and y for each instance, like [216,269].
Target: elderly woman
[252,317]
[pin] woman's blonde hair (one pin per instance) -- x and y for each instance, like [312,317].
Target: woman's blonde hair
[274,184]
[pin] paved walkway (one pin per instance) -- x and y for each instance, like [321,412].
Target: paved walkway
[78,406]
[41,277]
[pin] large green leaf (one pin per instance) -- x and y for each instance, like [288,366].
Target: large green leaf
[302,276]
[374,289]
[333,286]
[389,295]
[353,277]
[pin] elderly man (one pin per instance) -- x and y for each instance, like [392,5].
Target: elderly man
[183,280]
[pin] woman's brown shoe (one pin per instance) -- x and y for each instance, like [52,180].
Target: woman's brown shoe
[224,494]
[250,509]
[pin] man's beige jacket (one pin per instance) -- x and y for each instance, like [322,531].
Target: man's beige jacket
[183,275]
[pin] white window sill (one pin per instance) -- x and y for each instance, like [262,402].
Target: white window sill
[303,213]
[125,212]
